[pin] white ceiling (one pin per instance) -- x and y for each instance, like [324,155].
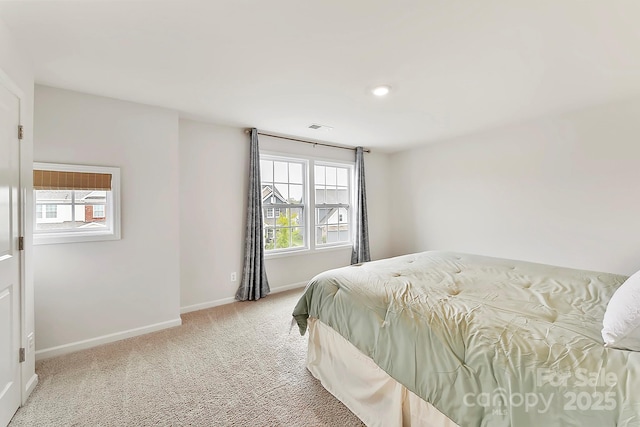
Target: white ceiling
[280,65]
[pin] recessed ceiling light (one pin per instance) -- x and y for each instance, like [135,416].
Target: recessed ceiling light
[381,90]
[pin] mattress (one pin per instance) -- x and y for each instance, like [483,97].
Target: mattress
[486,341]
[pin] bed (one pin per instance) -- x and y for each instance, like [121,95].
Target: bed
[450,339]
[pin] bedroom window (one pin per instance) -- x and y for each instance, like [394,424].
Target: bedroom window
[306,203]
[283,202]
[75,203]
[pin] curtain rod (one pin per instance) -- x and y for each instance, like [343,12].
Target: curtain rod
[307,142]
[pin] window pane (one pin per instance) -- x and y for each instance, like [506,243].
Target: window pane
[320,195]
[319,176]
[282,193]
[343,195]
[282,238]
[344,233]
[53,196]
[333,216]
[321,235]
[322,215]
[332,196]
[343,177]
[266,170]
[70,210]
[282,219]
[334,233]
[269,238]
[280,172]
[297,237]
[331,175]
[295,173]
[343,215]
[55,217]
[295,193]
[296,216]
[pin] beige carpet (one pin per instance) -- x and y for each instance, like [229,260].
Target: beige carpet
[234,365]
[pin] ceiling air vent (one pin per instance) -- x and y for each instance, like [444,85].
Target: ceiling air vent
[320,127]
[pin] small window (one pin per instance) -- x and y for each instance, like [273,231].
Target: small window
[75,203]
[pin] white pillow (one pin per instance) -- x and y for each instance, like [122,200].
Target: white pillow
[622,316]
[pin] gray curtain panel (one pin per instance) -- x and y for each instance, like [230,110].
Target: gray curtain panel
[360,252]
[254,283]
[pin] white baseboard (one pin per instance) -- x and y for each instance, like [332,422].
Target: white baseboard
[223,301]
[205,305]
[31,385]
[104,339]
[289,287]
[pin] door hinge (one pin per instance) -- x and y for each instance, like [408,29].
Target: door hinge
[20,132]
[22,355]
[21,243]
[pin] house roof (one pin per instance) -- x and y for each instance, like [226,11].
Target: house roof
[270,190]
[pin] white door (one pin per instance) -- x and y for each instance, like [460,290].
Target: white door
[9,256]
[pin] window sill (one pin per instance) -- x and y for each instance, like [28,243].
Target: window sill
[329,248]
[60,238]
[307,251]
[285,254]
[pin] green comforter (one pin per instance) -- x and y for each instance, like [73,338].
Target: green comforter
[487,341]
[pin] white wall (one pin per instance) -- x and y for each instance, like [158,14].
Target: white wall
[183,232]
[213,186]
[561,190]
[15,65]
[86,291]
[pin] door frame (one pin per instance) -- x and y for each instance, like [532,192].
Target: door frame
[8,83]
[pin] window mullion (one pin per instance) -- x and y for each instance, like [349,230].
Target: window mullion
[311,215]
[73,208]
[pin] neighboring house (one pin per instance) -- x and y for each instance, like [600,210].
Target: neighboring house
[333,215]
[336,228]
[332,221]
[55,210]
[271,196]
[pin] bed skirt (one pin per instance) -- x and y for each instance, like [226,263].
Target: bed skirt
[364,388]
